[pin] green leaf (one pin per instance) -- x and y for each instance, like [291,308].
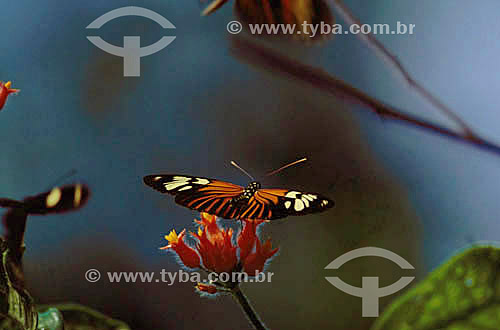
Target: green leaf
[79,317]
[16,305]
[17,309]
[51,319]
[461,294]
[8,323]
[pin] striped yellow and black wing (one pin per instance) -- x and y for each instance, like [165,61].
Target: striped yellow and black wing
[199,193]
[272,204]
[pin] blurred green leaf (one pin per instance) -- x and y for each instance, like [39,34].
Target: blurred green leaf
[51,319]
[17,310]
[16,305]
[8,323]
[462,294]
[79,317]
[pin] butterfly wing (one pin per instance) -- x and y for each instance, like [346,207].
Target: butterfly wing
[272,204]
[58,200]
[291,12]
[199,193]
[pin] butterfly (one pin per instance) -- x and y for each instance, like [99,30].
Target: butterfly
[291,12]
[57,200]
[231,201]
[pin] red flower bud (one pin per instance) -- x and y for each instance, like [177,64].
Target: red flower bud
[5,91]
[211,289]
[187,254]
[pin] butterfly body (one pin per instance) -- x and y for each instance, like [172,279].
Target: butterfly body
[230,201]
[249,191]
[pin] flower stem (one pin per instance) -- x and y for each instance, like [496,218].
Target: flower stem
[247,308]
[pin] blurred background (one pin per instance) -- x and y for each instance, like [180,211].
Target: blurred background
[195,108]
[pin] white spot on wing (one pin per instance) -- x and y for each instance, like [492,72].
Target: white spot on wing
[176,182]
[288,204]
[309,197]
[305,200]
[185,188]
[53,197]
[156,178]
[180,178]
[299,205]
[292,194]
[173,185]
[78,195]
[201,181]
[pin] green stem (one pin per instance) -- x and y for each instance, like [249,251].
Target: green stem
[248,309]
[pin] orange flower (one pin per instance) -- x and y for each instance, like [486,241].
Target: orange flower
[187,254]
[222,251]
[5,91]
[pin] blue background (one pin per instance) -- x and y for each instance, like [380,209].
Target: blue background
[76,111]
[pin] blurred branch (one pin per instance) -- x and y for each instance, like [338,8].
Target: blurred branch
[398,68]
[321,80]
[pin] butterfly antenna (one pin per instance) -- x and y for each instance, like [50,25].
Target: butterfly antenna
[286,166]
[68,174]
[241,169]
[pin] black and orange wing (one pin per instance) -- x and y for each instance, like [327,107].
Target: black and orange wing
[272,204]
[198,193]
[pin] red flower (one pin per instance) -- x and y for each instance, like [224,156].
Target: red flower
[218,251]
[187,254]
[5,91]
[225,253]
[256,260]
[247,237]
[215,245]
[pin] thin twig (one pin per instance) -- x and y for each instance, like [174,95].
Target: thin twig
[398,68]
[247,308]
[321,80]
